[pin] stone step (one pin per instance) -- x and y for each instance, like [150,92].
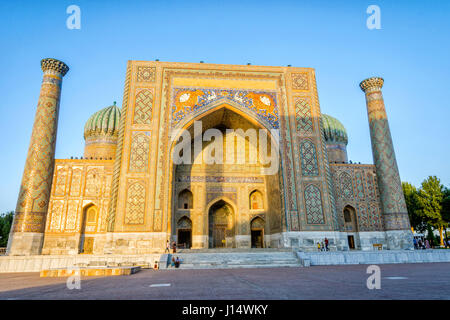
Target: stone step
[222,266]
[243,259]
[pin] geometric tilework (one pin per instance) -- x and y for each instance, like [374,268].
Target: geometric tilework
[308,158]
[61,179]
[300,81]
[391,193]
[143,107]
[351,181]
[359,187]
[75,186]
[313,205]
[93,183]
[135,205]
[72,215]
[32,203]
[56,212]
[346,186]
[303,117]
[139,150]
[145,74]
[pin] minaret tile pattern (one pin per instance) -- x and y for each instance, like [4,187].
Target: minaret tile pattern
[393,204]
[32,204]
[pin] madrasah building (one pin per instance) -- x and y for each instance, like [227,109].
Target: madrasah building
[128,195]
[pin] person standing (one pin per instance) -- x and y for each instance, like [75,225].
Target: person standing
[427,244]
[415,243]
[326,244]
[318,246]
[174,247]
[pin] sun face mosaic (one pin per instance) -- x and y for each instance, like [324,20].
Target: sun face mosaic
[186,101]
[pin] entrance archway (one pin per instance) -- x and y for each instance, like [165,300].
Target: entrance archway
[221,225]
[241,171]
[89,226]
[184,233]
[257,232]
[351,226]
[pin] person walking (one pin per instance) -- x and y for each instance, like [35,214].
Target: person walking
[427,244]
[415,243]
[167,247]
[326,244]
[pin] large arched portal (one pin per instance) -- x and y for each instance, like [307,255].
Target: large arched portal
[226,153]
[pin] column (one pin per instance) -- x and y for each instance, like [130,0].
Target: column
[395,214]
[27,232]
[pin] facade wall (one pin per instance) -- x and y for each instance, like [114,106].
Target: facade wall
[356,186]
[77,184]
[161,97]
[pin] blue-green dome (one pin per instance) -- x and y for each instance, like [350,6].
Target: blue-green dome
[103,122]
[334,130]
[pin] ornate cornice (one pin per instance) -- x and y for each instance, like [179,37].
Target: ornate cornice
[372,84]
[55,65]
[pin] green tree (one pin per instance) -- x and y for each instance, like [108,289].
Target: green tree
[412,204]
[6,220]
[430,199]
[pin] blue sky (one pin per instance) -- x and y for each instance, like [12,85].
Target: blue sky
[411,52]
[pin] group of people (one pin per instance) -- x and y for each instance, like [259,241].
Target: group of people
[426,244]
[323,246]
[175,261]
[419,244]
[168,246]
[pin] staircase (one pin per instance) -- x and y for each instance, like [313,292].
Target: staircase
[229,259]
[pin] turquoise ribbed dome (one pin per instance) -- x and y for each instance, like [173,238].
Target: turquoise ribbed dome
[334,130]
[103,122]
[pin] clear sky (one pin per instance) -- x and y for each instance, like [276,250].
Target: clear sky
[411,52]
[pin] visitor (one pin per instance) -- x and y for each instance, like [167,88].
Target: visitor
[415,243]
[174,247]
[318,246]
[167,247]
[323,246]
[420,244]
[326,244]
[448,242]
[177,262]
[427,244]
[172,263]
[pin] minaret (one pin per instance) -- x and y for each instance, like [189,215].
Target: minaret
[395,214]
[27,232]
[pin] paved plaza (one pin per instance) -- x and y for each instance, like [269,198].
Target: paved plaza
[398,281]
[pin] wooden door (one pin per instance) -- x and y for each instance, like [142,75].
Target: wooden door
[88,246]
[219,236]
